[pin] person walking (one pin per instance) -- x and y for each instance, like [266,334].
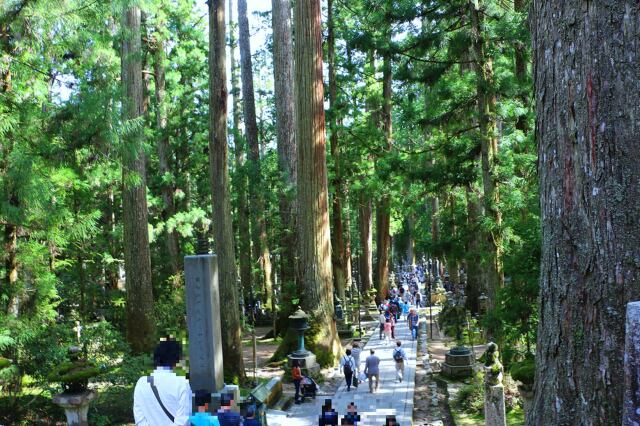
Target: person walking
[399,356]
[355,353]
[372,370]
[413,320]
[347,363]
[163,398]
[382,319]
[296,375]
[388,330]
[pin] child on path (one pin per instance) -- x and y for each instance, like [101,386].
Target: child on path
[387,330]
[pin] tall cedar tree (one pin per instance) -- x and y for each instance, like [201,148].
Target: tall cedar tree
[587,133]
[383,210]
[244,234]
[262,255]
[164,150]
[339,250]
[137,256]
[285,124]
[315,240]
[221,205]
[489,150]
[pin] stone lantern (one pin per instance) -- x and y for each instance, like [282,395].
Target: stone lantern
[298,322]
[337,308]
[483,303]
[74,376]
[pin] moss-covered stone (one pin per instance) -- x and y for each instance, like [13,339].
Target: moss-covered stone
[524,371]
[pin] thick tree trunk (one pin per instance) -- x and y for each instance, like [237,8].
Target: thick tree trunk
[285,123]
[261,251]
[489,149]
[410,254]
[221,204]
[315,239]
[383,211]
[137,256]
[521,62]
[587,57]
[366,240]
[164,156]
[473,270]
[337,242]
[244,232]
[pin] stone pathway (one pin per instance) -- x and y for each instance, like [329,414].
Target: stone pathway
[392,397]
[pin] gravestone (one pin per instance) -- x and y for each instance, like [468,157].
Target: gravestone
[631,414]
[203,322]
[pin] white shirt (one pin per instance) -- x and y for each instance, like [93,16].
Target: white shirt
[175,394]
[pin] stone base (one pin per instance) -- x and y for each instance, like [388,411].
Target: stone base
[307,362]
[76,406]
[458,362]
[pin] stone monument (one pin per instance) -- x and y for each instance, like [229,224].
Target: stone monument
[494,409]
[203,322]
[306,359]
[631,410]
[74,376]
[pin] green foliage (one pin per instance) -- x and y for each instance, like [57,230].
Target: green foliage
[524,371]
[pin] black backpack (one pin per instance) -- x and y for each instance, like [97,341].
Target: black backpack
[347,366]
[397,355]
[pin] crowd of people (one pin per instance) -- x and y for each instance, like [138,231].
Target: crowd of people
[165,398]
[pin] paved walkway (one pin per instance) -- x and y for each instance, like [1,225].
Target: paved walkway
[392,397]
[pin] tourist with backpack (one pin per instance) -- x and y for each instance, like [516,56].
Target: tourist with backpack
[399,356]
[348,365]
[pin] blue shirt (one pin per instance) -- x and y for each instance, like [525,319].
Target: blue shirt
[204,419]
[229,418]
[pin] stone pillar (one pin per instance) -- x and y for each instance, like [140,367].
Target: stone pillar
[203,322]
[494,410]
[631,413]
[76,407]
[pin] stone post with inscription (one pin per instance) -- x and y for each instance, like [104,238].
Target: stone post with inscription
[631,414]
[203,322]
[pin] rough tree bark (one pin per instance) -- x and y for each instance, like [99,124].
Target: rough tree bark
[489,148]
[383,210]
[137,257]
[164,154]
[261,251]
[337,242]
[244,232]
[285,123]
[472,255]
[366,240]
[587,57]
[315,239]
[221,204]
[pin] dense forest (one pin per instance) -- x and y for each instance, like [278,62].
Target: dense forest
[347,139]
